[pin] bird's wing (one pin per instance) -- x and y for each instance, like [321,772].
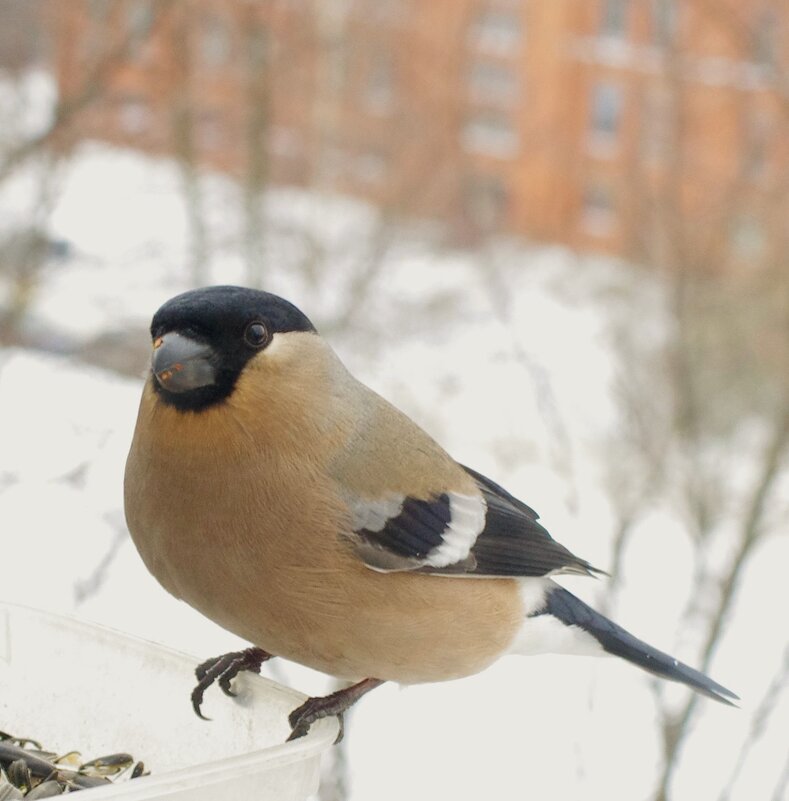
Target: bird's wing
[486,532]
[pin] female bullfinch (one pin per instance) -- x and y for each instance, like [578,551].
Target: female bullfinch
[295,507]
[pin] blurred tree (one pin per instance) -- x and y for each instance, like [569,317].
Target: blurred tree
[255,178]
[21,42]
[185,111]
[705,410]
[23,253]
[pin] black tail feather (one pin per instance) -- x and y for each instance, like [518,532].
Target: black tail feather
[615,640]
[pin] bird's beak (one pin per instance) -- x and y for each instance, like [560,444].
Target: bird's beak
[181,364]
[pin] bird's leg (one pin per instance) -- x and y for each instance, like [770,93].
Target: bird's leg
[223,669]
[335,704]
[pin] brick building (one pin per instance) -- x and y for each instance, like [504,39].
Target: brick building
[559,120]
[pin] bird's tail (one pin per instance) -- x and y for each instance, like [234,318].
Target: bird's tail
[614,640]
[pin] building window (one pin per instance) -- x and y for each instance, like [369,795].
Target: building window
[663,22]
[134,115]
[497,31]
[597,210]
[139,21]
[209,130]
[257,46]
[755,150]
[656,123]
[214,42]
[492,83]
[613,19]
[765,40]
[748,238]
[370,168]
[490,134]
[337,61]
[379,90]
[381,11]
[335,162]
[285,142]
[485,200]
[607,101]
[99,9]
[139,18]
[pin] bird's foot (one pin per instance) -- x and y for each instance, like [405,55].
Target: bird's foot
[223,669]
[335,704]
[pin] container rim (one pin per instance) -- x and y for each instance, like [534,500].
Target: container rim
[320,737]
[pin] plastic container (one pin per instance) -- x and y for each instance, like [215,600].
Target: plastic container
[75,685]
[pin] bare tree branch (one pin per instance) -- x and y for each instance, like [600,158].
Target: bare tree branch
[68,107]
[676,728]
[781,786]
[184,135]
[759,722]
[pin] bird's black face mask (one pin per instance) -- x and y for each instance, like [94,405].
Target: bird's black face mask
[203,339]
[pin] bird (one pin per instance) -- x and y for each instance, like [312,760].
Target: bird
[285,500]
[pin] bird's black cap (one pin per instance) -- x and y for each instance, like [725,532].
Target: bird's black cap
[216,310]
[228,325]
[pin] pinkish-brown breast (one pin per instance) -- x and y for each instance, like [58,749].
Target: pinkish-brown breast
[234,516]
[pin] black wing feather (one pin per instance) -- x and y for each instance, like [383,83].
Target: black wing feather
[498,492]
[512,543]
[415,531]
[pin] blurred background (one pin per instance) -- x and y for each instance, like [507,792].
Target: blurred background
[554,232]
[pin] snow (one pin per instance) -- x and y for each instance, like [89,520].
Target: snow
[504,356]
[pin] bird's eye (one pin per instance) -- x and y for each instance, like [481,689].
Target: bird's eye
[256,335]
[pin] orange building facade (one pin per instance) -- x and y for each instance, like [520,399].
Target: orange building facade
[558,120]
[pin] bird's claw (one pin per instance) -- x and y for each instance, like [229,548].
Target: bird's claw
[323,707]
[222,670]
[302,718]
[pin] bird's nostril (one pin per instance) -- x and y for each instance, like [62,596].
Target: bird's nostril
[167,374]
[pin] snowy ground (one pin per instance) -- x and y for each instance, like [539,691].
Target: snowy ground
[521,391]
